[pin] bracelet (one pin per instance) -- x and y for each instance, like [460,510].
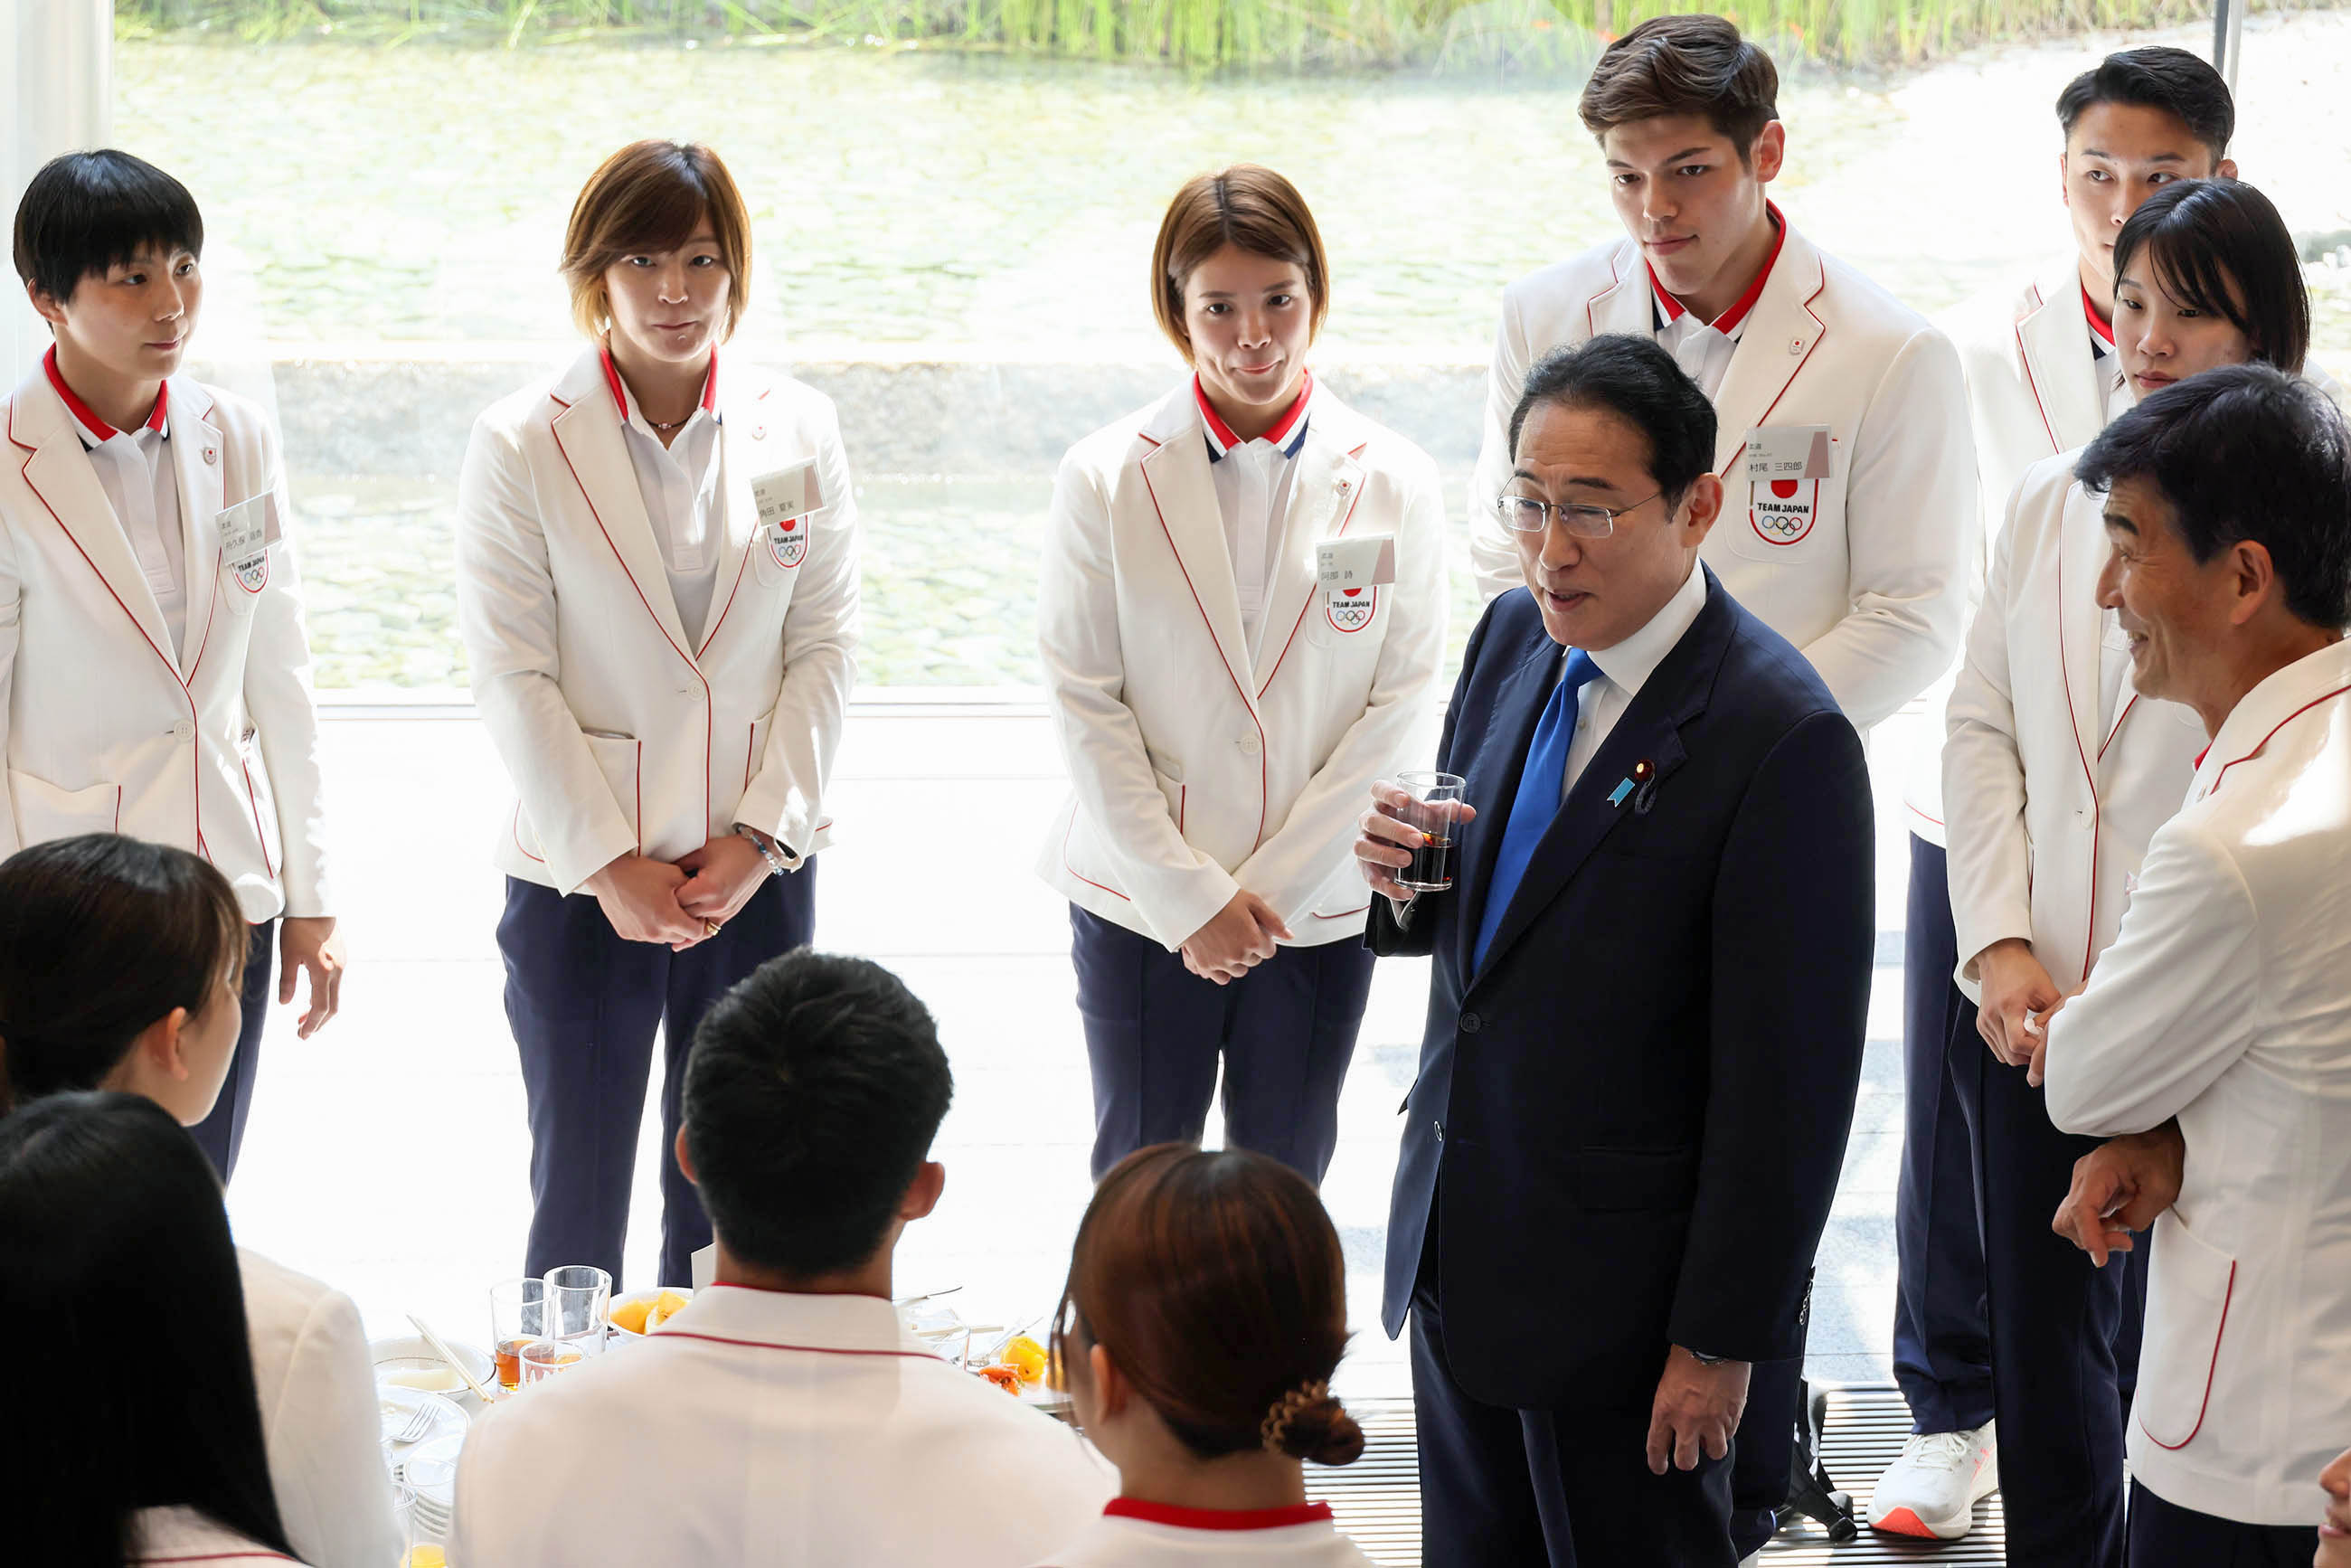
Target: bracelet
[767,848]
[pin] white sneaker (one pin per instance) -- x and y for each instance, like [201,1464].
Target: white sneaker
[1932,1490]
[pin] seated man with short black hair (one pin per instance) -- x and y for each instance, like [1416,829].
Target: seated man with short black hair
[785,1416]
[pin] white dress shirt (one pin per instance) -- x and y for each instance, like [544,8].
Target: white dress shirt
[318,1418]
[1625,669]
[1703,349]
[1252,483]
[762,1429]
[685,494]
[135,469]
[1136,1535]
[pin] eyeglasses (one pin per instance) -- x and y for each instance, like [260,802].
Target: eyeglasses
[1526,514]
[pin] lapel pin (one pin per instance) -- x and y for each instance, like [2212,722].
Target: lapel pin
[1642,770]
[1795,345]
[211,453]
[1617,796]
[758,432]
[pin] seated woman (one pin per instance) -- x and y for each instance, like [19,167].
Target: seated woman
[1206,1311]
[119,968]
[136,1435]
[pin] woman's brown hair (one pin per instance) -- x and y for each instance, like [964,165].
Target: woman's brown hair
[650,196]
[1215,1282]
[99,936]
[1689,64]
[1248,205]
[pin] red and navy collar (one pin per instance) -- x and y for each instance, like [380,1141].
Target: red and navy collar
[2102,332]
[1288,432]
[97,428]
[1670,309]
[1217,1518]
[620,392]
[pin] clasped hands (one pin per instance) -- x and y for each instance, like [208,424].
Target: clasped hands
[683,903]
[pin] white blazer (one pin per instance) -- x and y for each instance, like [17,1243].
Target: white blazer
[2049,812]
[1196,770]
[1133,1534]
[174,1535]
[623,734]
[2226,1002]
[214,750]
[2032,392]
[760,1429]
[319,1417]
[1872,587]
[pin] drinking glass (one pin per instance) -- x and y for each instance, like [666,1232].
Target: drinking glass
[1432,805]
[543,1358]
[518,1316]
[578,1302]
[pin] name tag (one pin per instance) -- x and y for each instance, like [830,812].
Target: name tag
[1789,452]
[792,492]
[1344,564]
[247,530]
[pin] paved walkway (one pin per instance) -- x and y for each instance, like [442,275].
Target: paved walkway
[387,1155]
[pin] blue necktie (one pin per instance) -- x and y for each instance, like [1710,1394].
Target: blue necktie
[1540,782]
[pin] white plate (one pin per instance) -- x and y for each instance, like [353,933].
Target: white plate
[416,1365]
[397,1404]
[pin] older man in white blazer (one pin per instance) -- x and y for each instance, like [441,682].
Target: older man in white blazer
[2225,1001]
[154,673]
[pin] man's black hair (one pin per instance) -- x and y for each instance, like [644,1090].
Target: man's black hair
[2246,453]
[2157,77]
[812,1095]
[1638,381]
[87,212]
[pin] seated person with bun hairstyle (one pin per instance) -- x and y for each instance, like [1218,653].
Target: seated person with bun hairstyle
[1206,1311]
[121,965]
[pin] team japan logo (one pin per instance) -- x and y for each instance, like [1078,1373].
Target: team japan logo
[252,573]
[1782,510]
[787,541]
[1352,609]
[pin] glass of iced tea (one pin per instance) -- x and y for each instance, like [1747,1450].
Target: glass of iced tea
[1433,805]
[518,1316]
[543,1358]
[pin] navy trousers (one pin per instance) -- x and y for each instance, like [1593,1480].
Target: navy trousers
[1942,1337]
[1156,1032]
[2064,1335]
[584,1006]
[1500,1485]
[2165,1535]
[221,1134]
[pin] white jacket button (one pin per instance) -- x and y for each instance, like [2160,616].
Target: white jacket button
[183,731]
[1249,745]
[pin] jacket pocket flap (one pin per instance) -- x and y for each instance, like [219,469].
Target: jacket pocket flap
[2187,1313]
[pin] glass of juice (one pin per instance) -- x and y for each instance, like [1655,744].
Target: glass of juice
[518,1316]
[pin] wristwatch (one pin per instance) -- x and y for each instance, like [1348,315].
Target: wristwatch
[766,847]
[1705,1360]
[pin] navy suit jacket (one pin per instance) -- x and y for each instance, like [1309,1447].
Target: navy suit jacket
[1628,1124]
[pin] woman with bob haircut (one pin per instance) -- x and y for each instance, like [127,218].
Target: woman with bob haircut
[121,964]
[138,1434]
[1223,709]
[2056,773]
[657,586]
[1206,1311]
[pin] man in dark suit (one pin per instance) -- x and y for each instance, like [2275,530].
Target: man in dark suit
[1645,1020]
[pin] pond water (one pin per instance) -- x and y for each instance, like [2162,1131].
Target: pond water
[910,205]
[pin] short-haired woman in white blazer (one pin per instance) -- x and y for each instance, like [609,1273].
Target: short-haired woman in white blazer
[1222,714]
[657,585]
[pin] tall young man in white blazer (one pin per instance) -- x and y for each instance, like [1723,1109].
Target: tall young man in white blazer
[657,585]
[1850,523]
[154,674]
[2043,377]
[2223,1009]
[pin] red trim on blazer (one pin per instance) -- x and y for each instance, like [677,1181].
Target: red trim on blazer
[260,838]
[2259,746]
[98,429]
[2117,727]
[1727,322]
[620,392]
[195,752]
[712,635]
[1616,278]
[668,1333]
[2100,327]
[1183,805]
[518,837]
[1241,690]
[2032,385]
[1820,336]
[1081,876]
[2218,1335]
[1306,608]
[709,699]
[1217,1518]
[2089,772]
